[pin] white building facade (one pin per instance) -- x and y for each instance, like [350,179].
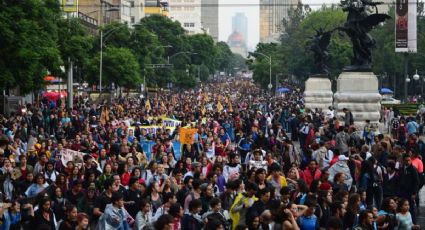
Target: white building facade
[188,13]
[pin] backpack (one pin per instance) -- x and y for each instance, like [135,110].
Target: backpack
[395,123]
[376,178]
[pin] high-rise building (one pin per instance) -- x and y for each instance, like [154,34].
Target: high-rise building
[209,17]
[238,39]
[237,44]
[240,25]
[188,13]
[272,12]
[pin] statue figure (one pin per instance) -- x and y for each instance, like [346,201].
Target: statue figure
[319,45]
[359,24]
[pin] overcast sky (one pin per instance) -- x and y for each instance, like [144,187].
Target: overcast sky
[228,8]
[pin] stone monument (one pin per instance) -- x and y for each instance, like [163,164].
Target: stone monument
[357,86]
[318,88]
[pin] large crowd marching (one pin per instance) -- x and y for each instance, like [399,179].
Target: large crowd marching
[253,162]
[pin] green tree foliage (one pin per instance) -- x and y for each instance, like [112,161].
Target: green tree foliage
[261,64]
[28,36]
[75,44]
[120,66]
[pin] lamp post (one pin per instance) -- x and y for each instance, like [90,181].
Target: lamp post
[183,52]
[417,77]
[103,38]
[270,86]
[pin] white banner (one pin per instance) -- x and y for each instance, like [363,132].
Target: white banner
[71,155]
[406,26]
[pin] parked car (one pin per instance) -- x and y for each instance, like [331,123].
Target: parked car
[389,101]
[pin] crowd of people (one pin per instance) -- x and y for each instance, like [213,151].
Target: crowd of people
[256,162]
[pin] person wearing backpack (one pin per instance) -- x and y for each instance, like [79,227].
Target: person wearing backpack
[379,173]
[402,133]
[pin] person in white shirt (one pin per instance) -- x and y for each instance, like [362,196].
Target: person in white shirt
[258,161]
[169,199]
[144,216]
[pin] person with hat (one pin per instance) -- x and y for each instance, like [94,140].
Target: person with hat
[341,167]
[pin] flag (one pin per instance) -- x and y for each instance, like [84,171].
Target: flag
[219,107]
[104,116]
[148,105]
[230,107]
[187,135]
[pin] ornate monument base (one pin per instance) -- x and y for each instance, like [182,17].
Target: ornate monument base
[318,93]
[358,92]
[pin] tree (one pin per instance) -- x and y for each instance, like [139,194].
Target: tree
[75,44]
[205,49]
[261,65]
[28,35]
[120,67]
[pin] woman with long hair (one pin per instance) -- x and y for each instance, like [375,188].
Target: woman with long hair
[292,177]
[260,179]
[365,221]
[387,214]
[44,216]
[404,217]
[144,216]
[106,175]
[154,195]
[70,221]
[324,210]
[58,203]
[289,220]
[87,203]
[351,218]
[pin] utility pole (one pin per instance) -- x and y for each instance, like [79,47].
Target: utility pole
[70,85]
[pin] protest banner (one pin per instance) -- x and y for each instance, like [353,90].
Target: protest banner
[187,135]
[71,155]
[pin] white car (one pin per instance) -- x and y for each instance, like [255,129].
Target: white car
[389,101]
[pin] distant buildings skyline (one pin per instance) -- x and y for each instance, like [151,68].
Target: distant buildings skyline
[237,39]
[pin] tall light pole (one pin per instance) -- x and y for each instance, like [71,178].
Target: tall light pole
[270,86]
[103,37]
[183,52]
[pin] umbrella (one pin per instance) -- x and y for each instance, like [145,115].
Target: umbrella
[386,91]
[49,78]
[283,90]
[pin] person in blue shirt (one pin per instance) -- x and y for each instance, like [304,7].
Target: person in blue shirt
[309,221]
[412,126]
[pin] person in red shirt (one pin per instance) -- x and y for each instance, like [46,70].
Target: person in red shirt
[177,212]
[417,161]
[310,173]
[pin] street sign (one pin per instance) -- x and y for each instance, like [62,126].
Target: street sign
[159,66]
[270,86]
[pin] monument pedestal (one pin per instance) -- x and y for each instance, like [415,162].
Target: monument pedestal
[358,92]
[318,93]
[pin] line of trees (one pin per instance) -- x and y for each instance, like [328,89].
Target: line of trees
[36,39]
[291,57]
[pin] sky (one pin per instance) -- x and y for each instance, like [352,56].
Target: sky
[228,8]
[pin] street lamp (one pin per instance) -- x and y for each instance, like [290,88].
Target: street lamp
[103,37]
[183,52]
[270,86]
